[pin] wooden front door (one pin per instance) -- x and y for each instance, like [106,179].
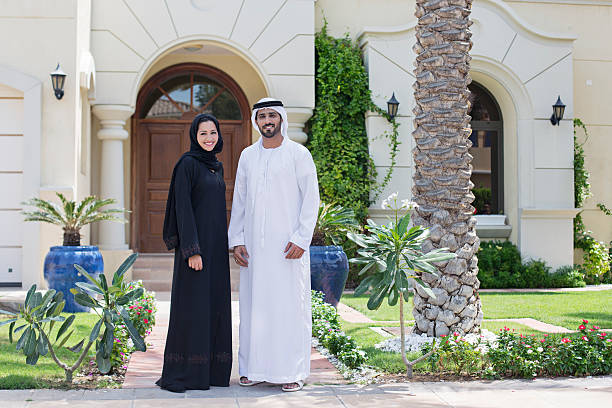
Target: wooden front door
[166,106]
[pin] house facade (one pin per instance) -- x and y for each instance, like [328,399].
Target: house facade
[138,71]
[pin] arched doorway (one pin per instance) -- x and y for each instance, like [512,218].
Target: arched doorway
[166,105]
[487,151]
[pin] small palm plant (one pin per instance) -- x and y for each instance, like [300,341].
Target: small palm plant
[72,216]
[40,313]
[333,223]
[394,253]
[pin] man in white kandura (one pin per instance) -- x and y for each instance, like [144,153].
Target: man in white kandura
[274,211]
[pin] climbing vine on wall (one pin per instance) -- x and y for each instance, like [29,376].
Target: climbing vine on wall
[596,258]
[337,137]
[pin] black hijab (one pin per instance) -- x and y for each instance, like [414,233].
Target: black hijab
[209,159]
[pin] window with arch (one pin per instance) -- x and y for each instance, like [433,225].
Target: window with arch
[487,150]
[187,94]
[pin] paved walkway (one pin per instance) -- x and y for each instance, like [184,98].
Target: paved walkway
[145,368]
[540,393]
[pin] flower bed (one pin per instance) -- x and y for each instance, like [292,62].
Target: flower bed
[142,312]
[326,328]
[586,352]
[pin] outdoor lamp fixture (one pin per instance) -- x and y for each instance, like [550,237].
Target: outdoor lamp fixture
[58,77]
[558,110]
[392,105]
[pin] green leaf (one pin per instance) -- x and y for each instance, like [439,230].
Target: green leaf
[11,321]
[96,330]
[425,287]
[5,312]
[127,264]
[139,343]
[65,326]
[22,340]
[65,339]
[29,295]
[130,296]
[393,297]
[11,332]
[30,343]
[85,300]
[378,294]
[59,308]
[35,301]
[42,347]
[77,347]
[104,364]
[366,284]
[103,282]
[87,275]
[89,287]
[32,359]
[403,224]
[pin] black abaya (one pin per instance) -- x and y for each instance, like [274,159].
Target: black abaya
[198,350]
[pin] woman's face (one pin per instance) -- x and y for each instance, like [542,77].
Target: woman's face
[207,135]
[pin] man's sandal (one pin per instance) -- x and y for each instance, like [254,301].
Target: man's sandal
[248,383]
[300,385]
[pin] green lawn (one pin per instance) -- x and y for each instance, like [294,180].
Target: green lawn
[565,309]
[16,374]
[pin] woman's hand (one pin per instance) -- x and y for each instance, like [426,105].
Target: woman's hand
[195,262]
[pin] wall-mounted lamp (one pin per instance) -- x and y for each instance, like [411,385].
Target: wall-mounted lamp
[558,111]
[392,105]
[58,77]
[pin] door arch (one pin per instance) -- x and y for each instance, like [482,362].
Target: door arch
[165,107]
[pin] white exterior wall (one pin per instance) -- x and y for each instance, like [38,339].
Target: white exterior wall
[532,68]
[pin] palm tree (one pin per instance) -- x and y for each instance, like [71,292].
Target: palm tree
[442,185]
[72,216]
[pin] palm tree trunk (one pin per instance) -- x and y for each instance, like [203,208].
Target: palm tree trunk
[442,185]
[72,238]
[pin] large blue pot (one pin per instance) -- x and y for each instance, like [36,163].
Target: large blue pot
[62,276]
[328,271]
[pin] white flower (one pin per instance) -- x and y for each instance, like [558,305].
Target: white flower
[529,351]
[384,205]
[392,197]
[540,349]
[410,205]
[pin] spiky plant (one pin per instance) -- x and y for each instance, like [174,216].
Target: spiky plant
[443,167]
[72,216]
[333,223]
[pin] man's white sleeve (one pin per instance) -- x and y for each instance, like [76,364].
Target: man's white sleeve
[309,188]
[236,228]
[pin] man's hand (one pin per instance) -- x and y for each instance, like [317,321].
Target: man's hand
[195,262]
[293,251]
[241,255]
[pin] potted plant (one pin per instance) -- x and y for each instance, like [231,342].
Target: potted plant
[71,216]
[328,262]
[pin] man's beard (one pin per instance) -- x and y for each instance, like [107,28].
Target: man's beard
[269,133]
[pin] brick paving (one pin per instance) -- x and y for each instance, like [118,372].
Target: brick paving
[145,368]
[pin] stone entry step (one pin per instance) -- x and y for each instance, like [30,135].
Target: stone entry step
[155,271]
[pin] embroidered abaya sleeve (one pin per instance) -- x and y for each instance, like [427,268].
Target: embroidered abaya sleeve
[186,224]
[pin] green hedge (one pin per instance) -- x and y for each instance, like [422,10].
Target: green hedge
[500,266]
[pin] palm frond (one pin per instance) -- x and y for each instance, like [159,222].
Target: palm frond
[86,201]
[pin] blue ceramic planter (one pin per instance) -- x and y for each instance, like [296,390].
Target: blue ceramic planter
[61,274]
[328,271]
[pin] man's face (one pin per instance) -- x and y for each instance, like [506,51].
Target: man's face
[268,121]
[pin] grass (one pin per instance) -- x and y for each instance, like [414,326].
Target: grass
[566,309]
[16,374]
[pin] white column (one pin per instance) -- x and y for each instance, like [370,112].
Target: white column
[112,134]
[297,118]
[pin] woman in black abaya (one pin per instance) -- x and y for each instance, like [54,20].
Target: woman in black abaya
[198,350]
